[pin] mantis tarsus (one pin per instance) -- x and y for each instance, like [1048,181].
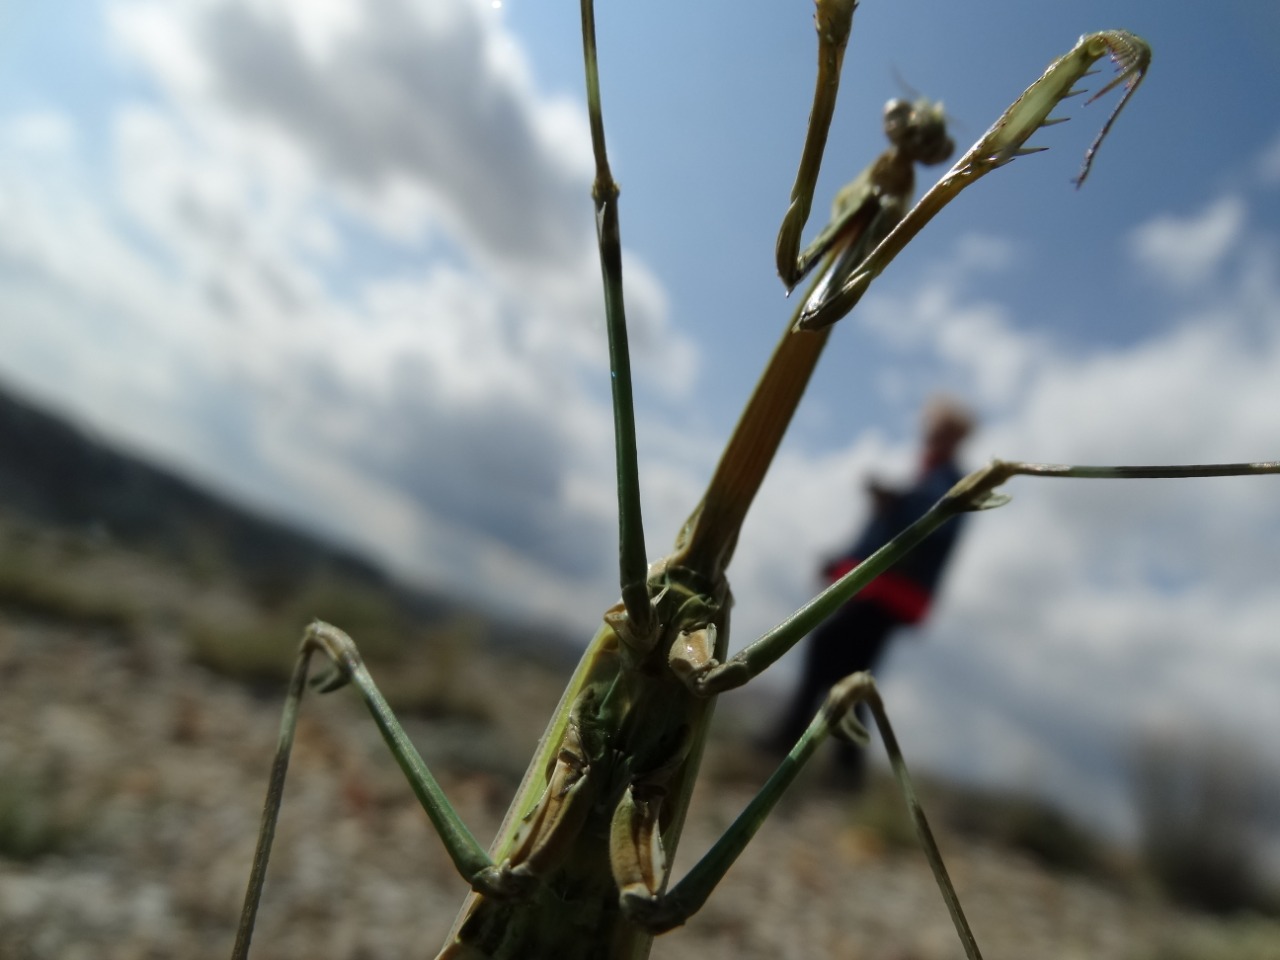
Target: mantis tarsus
[580,864]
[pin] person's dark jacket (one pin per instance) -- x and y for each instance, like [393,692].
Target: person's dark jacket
[907,588]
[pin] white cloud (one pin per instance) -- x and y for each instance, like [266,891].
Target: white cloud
[1185,251]
[40,133]
[400,100]
[973,343]
[210,294]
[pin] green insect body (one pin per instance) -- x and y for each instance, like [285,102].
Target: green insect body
[606,793]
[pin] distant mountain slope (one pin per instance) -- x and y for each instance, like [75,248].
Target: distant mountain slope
[59,474]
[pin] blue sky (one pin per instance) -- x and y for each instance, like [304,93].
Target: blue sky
[336,259]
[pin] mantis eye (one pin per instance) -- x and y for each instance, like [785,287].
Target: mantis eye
[931,144]
[897,114]
[919,130]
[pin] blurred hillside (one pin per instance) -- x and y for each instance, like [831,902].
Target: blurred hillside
[56,476]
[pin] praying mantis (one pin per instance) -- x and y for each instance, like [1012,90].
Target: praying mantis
[580,866]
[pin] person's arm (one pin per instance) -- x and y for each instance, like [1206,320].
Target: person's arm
[883,497]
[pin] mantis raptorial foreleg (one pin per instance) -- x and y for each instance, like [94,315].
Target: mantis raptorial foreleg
[1005,140]
[865,211]
[834,21]
[869,228]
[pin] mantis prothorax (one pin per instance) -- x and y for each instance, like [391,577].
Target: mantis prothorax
[580,866]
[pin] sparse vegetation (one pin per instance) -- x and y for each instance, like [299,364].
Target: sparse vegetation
[1250,938]
[423,664]
[230,623]
[1030,825]
[1196,800]
[1017,822]
[34,822]
[35,586]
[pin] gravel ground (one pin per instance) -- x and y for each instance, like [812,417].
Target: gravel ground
[147,771]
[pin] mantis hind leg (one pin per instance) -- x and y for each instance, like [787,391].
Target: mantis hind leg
[641,881]
[861,688]
[347,667]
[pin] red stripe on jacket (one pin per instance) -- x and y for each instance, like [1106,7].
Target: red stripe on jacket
[901,596]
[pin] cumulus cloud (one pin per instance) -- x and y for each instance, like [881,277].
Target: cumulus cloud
[1185,251]
[438,401]
[421,120]
[429,98]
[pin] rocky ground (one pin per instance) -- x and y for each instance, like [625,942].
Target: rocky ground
[131,780]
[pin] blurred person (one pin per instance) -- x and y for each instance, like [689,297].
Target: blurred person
[855,637]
